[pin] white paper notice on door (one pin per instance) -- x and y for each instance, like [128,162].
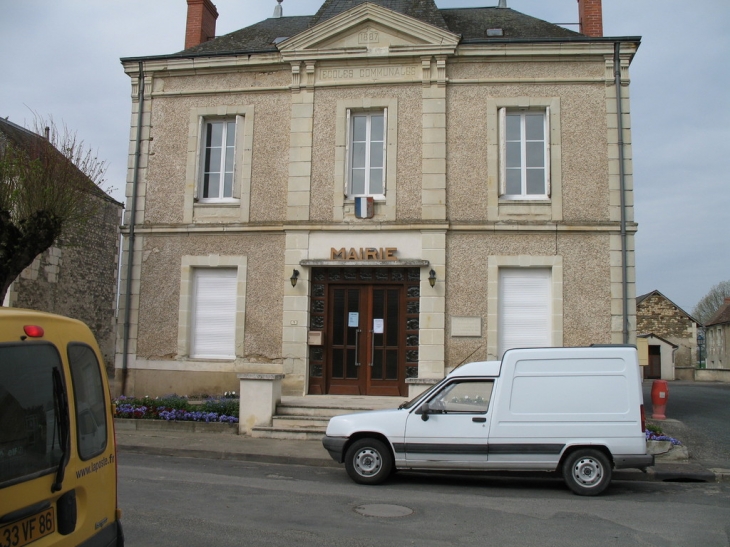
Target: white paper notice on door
[378,326]
[353,319]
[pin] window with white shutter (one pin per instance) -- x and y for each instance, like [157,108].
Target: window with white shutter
[213,327]
[525,309]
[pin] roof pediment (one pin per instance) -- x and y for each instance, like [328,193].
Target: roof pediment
[369,30]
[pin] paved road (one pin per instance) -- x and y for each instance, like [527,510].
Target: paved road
[170,501]
[698,413]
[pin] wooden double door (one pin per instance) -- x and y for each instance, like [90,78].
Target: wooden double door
[370,341]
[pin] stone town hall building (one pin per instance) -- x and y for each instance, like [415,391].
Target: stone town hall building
[364,198]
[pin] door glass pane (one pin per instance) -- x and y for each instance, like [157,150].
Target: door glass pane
[391,365]
[377,371]
[351,366]
[338,318]
[392,319]
[29,430]
[338,369]
[89,396]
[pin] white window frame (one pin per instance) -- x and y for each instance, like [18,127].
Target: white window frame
[221,167]
[385,209]
[523,168]
[351,115]
[236,208]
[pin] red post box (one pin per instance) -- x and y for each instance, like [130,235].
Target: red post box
[659,396]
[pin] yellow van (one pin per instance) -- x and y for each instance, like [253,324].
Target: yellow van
[58,472]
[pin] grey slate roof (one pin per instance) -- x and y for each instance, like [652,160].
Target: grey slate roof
[471,23]
[424,10]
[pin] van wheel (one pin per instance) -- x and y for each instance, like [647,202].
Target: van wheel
[587,472]
[368,461]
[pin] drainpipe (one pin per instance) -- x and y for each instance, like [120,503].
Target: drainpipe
[132,218]
[622,183]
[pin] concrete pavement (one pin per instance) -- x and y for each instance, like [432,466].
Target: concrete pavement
[187,439]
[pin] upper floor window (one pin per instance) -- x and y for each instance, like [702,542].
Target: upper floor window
[217,167]
[367,153]
[524,154]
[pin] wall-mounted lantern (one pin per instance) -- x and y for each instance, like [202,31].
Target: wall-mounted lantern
[294,277]
[432,278]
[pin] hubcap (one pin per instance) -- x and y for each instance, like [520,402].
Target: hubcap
[588,472]
[368,462]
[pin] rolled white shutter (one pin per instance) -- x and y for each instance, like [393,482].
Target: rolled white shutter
[214,313]
[525,308]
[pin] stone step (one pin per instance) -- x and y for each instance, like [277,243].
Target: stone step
[304,422]
[318,411]
[299,434]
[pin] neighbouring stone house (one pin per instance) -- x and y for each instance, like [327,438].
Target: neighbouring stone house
[364,198]
[76,277]
[658,315]
[717,338]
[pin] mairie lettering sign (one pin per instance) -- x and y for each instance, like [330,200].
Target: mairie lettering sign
[364,253]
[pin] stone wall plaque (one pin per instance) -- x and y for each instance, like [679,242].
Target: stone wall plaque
[466,326]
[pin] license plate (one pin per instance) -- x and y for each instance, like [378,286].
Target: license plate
[29,529]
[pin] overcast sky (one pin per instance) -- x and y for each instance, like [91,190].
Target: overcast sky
[61,58]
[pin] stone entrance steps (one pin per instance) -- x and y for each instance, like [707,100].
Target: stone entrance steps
[307,417]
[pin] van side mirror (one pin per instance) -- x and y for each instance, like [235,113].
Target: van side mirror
[424,410]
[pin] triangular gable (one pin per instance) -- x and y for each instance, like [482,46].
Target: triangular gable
[367,30]
[640,299]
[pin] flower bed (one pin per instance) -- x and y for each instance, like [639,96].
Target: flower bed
[181,409]
[653,433]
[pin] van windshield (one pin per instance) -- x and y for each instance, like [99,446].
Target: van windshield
[30,442]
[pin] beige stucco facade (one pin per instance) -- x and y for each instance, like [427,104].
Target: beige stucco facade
[442,208]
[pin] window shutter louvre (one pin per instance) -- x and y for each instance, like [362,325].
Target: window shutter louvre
[547,151]
[525,308]
[348,138]
[200,158]
[214,313]
[385,150]
[502,139]
[237,152]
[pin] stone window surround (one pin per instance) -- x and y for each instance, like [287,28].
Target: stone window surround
[188,264]
[343,207]
[503,209]
[494,263]
[238,209]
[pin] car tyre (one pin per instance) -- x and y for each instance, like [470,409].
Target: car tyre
[587,472]
[368,461]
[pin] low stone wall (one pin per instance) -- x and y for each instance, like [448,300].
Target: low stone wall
[686,374]
[127,424]
[712,375]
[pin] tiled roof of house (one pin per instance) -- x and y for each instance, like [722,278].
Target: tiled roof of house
[722,315]
[471,23]
[24,139]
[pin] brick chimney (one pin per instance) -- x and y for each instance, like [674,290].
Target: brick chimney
[201,22]
[591,17]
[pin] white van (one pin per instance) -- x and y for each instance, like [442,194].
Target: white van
[578,411]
